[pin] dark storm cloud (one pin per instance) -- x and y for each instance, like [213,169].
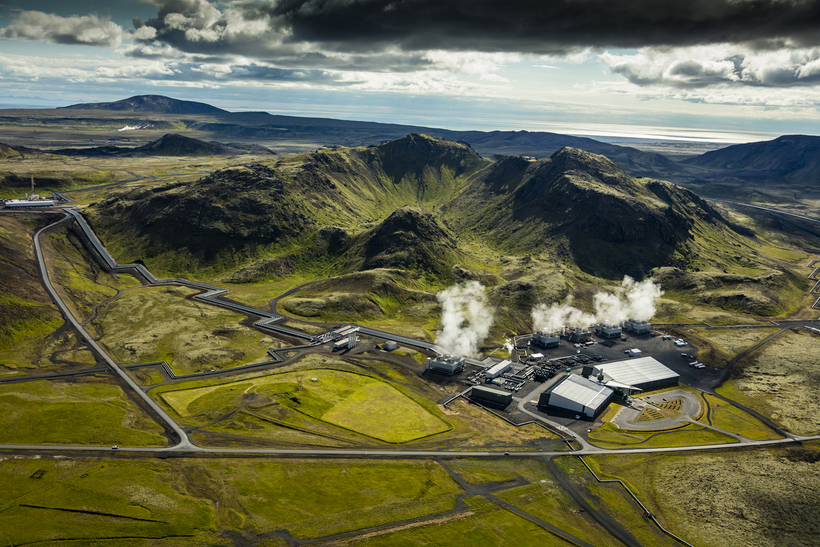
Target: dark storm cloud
[523,26]
[543,26]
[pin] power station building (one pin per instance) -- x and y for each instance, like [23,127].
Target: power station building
[577,394]
[608,331]
[447,364]
[492,397]
[577,334]
[639,374]
[546,339]
[638,327]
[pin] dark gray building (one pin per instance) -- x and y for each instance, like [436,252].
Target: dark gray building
[491,396]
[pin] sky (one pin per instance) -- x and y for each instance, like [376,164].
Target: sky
[717,70]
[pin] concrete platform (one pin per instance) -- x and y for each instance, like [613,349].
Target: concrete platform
[665,410]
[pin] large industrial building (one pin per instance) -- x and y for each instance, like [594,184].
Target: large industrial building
[546,339]
[493,397]
[640,374]
[577,394]
[448,364]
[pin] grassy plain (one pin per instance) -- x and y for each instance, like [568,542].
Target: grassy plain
[160,323]
[28,319]
[105,500]
[484,523]
[88,410]
[260,405]
[729,418]
[485,470]
[781,380]
[733,498]
[78,277]
[356,402]
[613,500]
[717,347]
[543,497]
[610,436]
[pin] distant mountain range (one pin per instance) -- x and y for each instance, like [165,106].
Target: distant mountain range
[793,158]
[787,160]
[264,126]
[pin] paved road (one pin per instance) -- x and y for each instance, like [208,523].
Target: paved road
[768,209]
[170,424]
[329,453]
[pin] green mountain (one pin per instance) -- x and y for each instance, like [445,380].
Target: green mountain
[583,208]
[312,202]
[413,203]
[180,145]
[270,130]
[167,145]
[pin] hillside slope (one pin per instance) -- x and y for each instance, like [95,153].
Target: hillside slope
[794,158]
[327,196]
[584,209]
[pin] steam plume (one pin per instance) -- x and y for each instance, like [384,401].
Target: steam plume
[466,318]
[552,318]
[632,300]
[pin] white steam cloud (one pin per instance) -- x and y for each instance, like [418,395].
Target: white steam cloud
[466,318]
[632,300]
[552,318]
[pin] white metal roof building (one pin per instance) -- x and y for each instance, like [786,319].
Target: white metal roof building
[577,394]
[498,369]
[644,373]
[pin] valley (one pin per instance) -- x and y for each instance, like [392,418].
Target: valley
[171,367]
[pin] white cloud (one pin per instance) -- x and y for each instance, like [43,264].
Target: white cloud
[721,64]
[75,30]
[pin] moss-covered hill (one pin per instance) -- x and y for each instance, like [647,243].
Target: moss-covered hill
[582,207]
[416,203]
[329,204]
